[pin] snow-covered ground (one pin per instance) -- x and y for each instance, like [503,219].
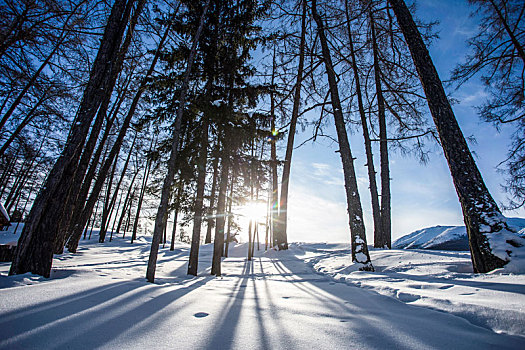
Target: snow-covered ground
[307,297]
[441,280]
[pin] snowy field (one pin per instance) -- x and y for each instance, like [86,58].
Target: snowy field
[308,297]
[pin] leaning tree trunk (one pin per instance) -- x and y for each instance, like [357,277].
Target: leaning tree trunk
[384,239]
[376,211]
[280,235]
[162,212]
[84,215]
[82,166]
[34,252]
[357,226]
[481,214]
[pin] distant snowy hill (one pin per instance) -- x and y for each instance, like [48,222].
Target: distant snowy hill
[445,237]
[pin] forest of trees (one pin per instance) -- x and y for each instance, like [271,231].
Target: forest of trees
[159,117]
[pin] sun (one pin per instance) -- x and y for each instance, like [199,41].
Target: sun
[256,211]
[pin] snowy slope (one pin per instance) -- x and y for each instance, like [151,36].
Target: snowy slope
[98,298]
[445,237]
[440,280]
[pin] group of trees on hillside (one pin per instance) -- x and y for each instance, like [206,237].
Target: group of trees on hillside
[116,113]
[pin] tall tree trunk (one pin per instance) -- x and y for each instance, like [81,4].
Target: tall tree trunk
[94,220]
[376,211]
[197,220]
[116,213]
[357,227]
[128,219]
[229,215]
[250,225]
[211,209]
[384,239]
[481,214]
[180,188]
[107,205]
[160,220]
[274,210]
[218,244]
[34,252]
[268,221]
[280,235]
[142,193]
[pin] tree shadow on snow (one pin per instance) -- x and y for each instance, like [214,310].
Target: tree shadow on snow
[90,318]
[385,322]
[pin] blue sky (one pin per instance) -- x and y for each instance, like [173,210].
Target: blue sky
[422,195]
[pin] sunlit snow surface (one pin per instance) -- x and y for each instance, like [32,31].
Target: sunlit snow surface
[305,298]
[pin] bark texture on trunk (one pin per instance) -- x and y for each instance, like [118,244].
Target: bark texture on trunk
[357,226]
[384,238]
[480,212]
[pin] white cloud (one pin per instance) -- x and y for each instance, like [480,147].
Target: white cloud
[473,99]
